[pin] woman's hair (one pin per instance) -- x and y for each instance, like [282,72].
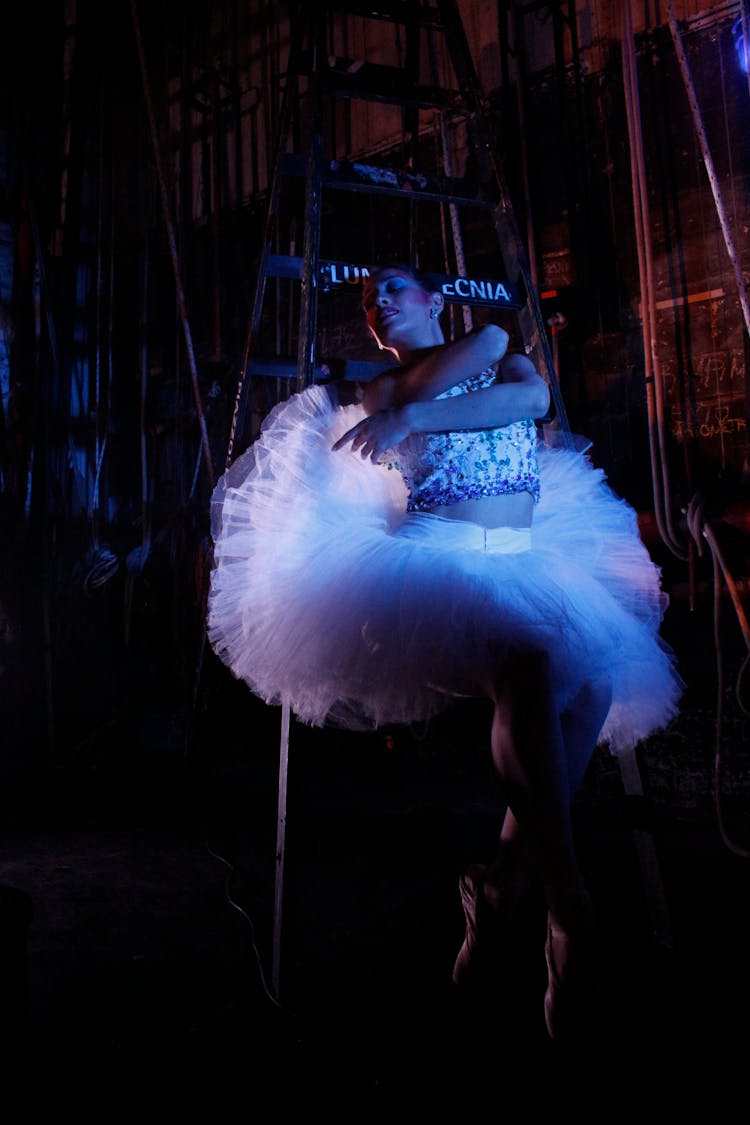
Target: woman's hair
[427,281]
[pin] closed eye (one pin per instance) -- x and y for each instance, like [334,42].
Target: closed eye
[392,285]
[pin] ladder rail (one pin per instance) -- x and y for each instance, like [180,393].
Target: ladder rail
[531,321]
[307,342]
[256,311]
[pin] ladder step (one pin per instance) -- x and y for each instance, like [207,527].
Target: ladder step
[425,16]
[285,367]
[281,367]
[379,180]
[375,82]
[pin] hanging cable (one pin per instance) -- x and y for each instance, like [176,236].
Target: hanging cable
[102,564]
[654,385]
[444,241]
[708,161]
[100,438]
[524,162]
[458,245]
[274,188]
[180,291]
[138,556]
[104,428]
[69,49]
[701,531]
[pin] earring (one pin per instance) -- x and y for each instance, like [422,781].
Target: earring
[433,313]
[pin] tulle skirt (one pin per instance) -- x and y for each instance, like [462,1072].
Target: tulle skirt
[326,597]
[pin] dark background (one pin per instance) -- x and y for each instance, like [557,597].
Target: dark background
[139,796]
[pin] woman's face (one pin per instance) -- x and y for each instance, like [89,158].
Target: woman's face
[398,309]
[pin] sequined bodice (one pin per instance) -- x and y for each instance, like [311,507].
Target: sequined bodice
[446,467]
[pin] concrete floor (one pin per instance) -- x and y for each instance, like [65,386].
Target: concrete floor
[143,986]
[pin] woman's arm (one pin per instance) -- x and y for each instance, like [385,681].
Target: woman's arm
[438,370]
[484,409]
[523,394]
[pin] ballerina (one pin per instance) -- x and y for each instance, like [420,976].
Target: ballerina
[375,561]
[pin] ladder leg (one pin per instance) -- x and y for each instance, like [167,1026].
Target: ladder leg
[647,858]
[279,886]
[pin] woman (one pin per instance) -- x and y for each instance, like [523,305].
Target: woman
[375,561]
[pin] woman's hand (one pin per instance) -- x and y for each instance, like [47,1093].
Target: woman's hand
[376,433]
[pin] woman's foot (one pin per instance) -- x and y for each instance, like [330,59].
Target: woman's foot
[488,907]
[571,955]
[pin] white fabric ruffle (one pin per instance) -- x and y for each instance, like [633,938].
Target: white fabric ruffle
[318,602]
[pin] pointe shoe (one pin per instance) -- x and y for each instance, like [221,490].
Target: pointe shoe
[485,924]
[571,980]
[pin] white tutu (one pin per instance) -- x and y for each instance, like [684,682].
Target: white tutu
[317,600]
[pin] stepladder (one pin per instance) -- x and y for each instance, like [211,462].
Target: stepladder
[386,149]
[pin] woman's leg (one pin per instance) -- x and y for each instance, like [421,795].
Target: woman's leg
[490,893]
[511,870]
[580,725]
[530,757]
[541,759]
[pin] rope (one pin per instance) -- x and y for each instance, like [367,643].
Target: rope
[105,303]
[701,532]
